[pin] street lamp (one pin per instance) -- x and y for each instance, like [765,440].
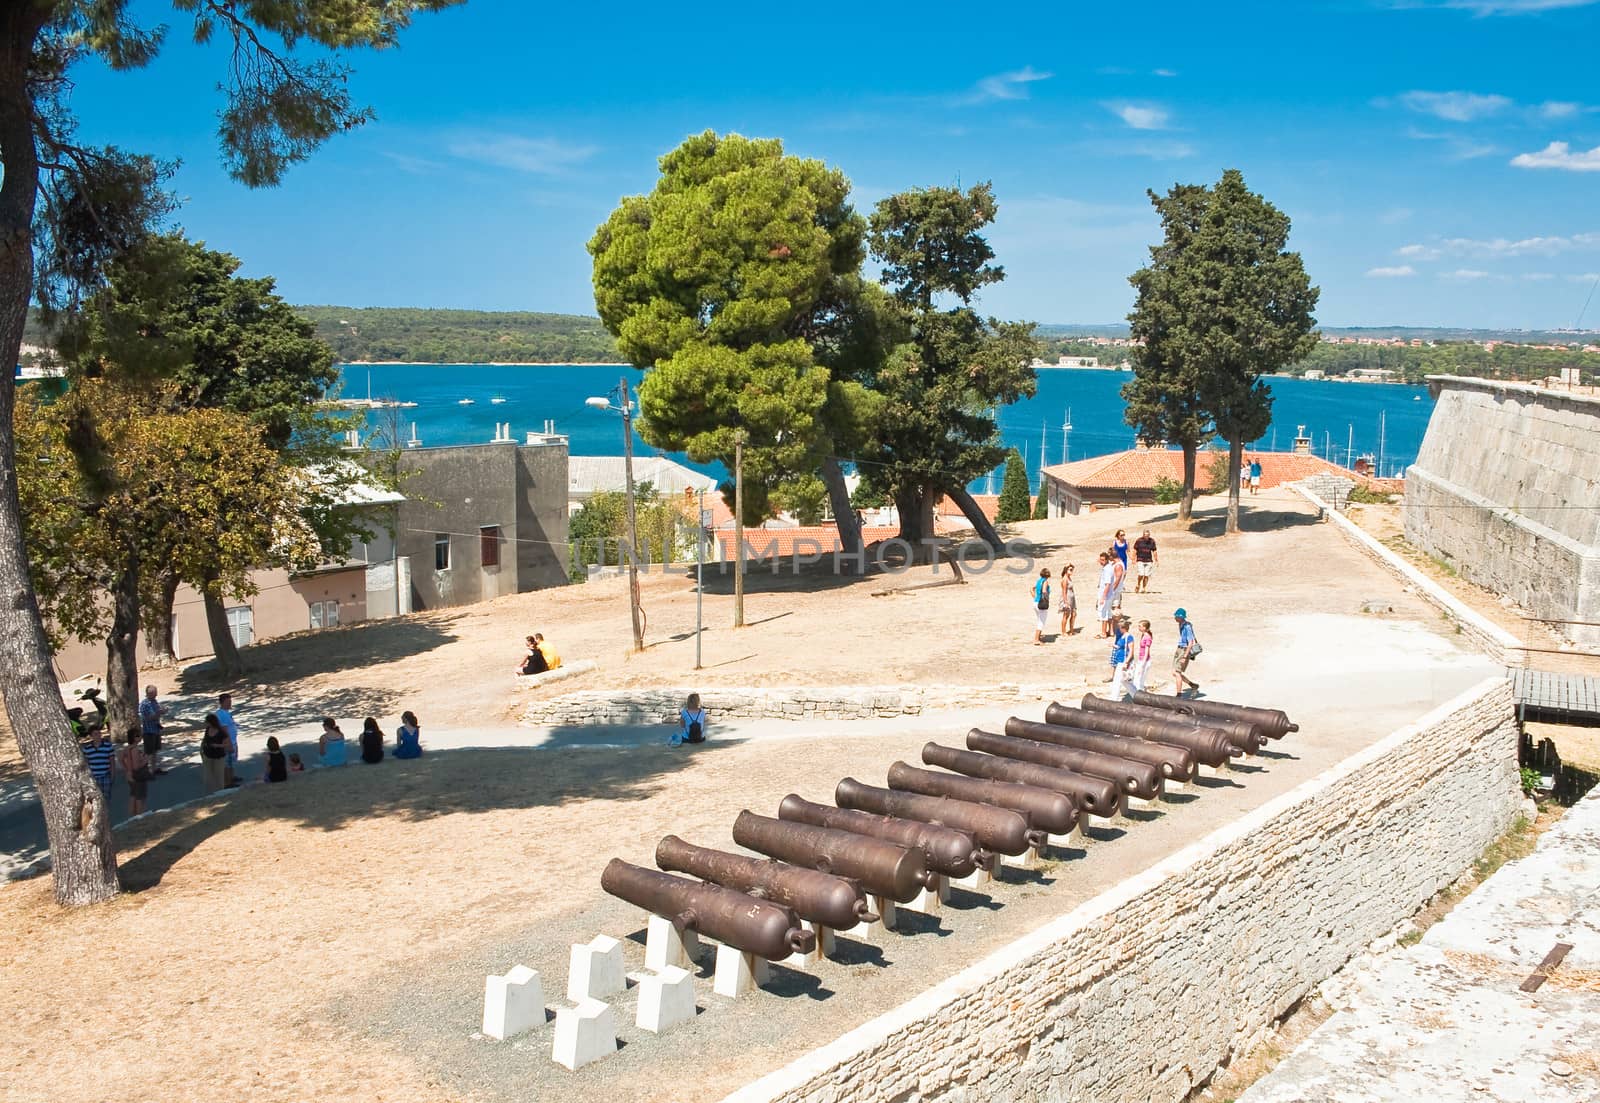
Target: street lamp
[625,407]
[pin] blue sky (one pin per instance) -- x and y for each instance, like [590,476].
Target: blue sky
[1440,158]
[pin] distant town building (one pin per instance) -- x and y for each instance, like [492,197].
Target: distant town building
[588,475]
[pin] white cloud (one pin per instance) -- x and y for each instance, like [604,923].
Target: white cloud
[1585,277]
[1488,7]
[1140,116]
[1456,107]
[540,156]
[1537,277]
[1559,155]
[1559,109]
[1460,148]
[1544,246]
[1418,252]
[1004,86]
[1464,274]
[1396,272]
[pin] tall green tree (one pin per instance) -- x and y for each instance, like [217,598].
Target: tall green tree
[1013,506]
[279,105]
[934,431]
[726,285]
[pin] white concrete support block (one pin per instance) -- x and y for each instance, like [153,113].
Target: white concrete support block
[1028,859]
[886,923]
[595,971]
[1202,770]
[1173,788]
[512,1003]
[584,1034]
[738,973]
[1145,804]
[1072,840]
[979,880]
[1091,820]
[666,1000]
[930,901]
[824,948]
[665,945]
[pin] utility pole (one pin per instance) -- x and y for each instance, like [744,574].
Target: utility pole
[738,528]
[699,578]
[633,533]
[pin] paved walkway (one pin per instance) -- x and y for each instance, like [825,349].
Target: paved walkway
[1447,1020]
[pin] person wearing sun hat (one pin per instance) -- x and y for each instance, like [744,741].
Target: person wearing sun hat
[1188,645]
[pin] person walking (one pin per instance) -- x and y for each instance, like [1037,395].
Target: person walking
[229,725]
[1144,561]
[1119,547]
[1121,656]
[1143,645]
[1255,474]
[1188,648]
[408,736]
[331,745]
[101,756]
[1069,603]
[135,766]
[150,713]
[213,754]
[1119,579]
[1104,593]
[1041,603]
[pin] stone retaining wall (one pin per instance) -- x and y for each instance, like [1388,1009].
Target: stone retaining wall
[1142,992]
[660,706]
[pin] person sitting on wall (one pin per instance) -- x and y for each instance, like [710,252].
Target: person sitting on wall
[692,723]
[551,659]
[532,659]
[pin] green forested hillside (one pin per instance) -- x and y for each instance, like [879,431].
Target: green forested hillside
[460,336]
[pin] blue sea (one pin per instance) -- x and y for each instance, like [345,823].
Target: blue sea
[1336,416]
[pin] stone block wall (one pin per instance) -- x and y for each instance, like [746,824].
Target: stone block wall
[660,706]
[1142,992]
[1504,489]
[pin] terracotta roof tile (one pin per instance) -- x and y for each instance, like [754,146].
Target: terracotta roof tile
[1139,468]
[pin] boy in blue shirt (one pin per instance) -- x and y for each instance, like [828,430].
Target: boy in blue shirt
[1121,653]
[1187,645]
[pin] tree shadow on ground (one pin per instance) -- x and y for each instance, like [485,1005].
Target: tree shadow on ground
[1214,523]
[351,647]
[441,783]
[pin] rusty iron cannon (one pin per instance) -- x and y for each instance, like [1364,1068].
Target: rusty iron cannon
[944,849]
[1209,746]
[880,867]
[1089,793]
[737,919]
[1139,778]
[1046,809]
[811,894]
[1246,737]
[998,829]
[1273,723]
[1174,761]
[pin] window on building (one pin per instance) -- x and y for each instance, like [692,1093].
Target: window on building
[441,552]
[324,614]
[489,545]
[241,625]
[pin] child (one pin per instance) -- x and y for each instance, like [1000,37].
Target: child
[295,765]
[693,723]
[277,765]
[1121,657]
[1141,656]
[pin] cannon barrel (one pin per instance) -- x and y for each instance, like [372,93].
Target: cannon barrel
[1208,745]
[1045,808]
[1274,723]
[998,829]
[1172,760]
[881,868]
[735,918]
[1139,778]
[1246,737]
[944,849]
[1090,794]
[811,894]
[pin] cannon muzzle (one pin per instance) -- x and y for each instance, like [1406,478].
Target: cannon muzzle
[820,897]
[1245,738]
[998,829]
[755,926]
[1089,794]
[1272,723]
[1172,760]
[1139,778]
[880,867]
[1046,809]
[945,850]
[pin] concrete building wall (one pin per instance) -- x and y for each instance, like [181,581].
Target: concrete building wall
[1142,992]
[1506,489]
[542,515]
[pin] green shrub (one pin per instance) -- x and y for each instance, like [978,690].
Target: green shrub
[1168,491]
[1363,495]
[1217,474]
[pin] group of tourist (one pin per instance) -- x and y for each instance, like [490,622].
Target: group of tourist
[538,656]
[1131,650]
[332,749]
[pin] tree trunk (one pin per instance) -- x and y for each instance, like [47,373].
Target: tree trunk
[915,506]
[229,667]
[122,656]
[76,819]
[1186,502]
[986,530]
[844,514]
[158,632]
[1235,456]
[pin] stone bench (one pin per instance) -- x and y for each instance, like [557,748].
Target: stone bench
[559,674]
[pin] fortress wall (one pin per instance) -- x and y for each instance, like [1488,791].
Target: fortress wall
[1506,489]
[1142,992]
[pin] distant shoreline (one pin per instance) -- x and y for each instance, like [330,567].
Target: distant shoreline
[483,363]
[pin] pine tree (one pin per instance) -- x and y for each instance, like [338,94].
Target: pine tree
[1014,497]
[1041,503]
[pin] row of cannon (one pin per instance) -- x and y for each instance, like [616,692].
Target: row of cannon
[1004,794]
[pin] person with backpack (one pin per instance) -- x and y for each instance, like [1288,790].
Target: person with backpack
[1188,648]
[1041,603]
[692,723]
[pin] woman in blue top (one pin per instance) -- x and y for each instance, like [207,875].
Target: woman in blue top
[408,736]
[1119,547]
[1041,603]
[692,723]
[331,745]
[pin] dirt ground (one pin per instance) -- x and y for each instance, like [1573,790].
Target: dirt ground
[328,939]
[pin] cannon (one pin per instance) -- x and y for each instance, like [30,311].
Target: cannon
[811,894]
[1139,778]
[1172,760]
[1090,794]
[944,849]
[734,918]
[881,868]
[1209,746]
[1274,723]
[1045,808]
[998,829]
[1244,736]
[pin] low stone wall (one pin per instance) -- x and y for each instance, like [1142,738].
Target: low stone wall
[1142,992]
[660,706]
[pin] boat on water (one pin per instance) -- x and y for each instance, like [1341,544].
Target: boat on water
[464,402]
[497,399]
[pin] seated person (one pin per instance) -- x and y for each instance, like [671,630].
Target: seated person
[546,652]
[331,745]
[692,723]
[371,741]
[532,659]
[408,736]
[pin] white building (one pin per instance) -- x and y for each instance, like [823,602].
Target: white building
[588,475]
